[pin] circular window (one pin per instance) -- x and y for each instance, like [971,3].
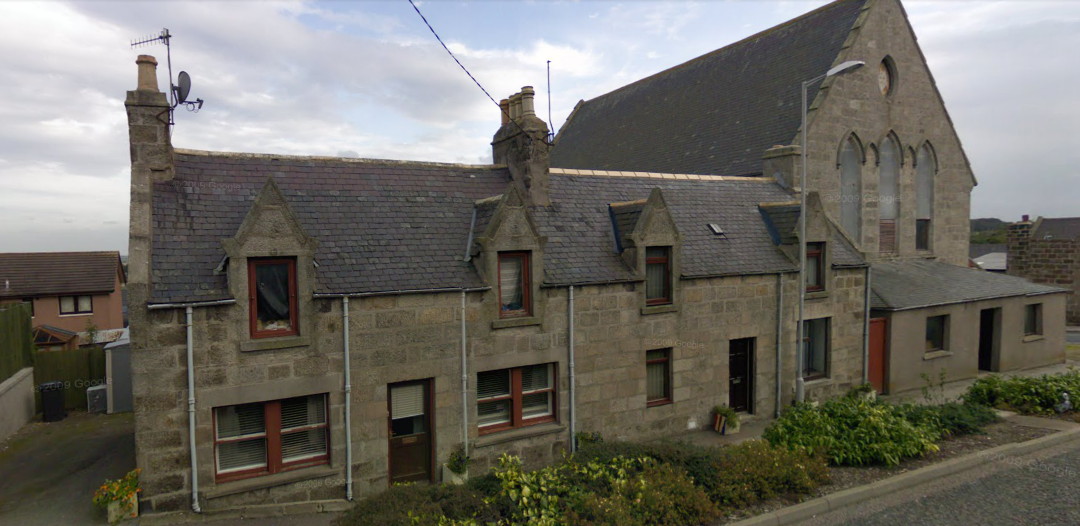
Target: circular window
[886,76]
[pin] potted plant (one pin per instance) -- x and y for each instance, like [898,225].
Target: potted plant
[456,469]
[120,497]
[725,420]
[866,391]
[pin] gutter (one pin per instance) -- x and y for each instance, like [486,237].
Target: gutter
[191,410]
[570,360]
[866,330]
[348,399]
[779,341]
[188,305]
[394,292]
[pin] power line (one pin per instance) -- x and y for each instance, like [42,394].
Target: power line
[466,70]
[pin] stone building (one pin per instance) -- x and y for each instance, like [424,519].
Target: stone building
[1048,251]
[307,329]
[883,154]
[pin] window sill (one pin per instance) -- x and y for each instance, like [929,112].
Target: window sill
[519,434]
[515,322]
[1033,338]
[816,294]
[658,403]
[75,314]
[267,344]
[810,381]
[658,309]
[268,481]
[933,355]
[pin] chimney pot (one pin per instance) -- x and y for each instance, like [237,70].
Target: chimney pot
[515,106]
[527,94]
[504,111]
[147,73]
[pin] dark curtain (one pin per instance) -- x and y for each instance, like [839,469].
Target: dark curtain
[272,289]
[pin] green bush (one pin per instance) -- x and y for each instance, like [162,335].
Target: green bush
[732,476]
[949,419]
[1029,395]
[661,495]
[852,431]
[426,503]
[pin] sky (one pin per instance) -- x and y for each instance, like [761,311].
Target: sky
[367,79]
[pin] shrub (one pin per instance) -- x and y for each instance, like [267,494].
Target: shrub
[416,504]
[1029,395]
[949,419]
[660,495]
[731,476]
[852,431]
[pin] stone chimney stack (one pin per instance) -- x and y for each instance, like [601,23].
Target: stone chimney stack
[781,163]
[522,145]
[1018,241]
[151,161]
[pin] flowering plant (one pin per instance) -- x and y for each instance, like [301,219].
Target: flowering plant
[120,490]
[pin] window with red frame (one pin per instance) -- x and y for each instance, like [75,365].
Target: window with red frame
[518,397]
[815,266]
[658,377]
[657,275]
[514,297]
[270,437]
[272,297]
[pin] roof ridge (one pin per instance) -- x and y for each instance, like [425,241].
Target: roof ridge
[64,252]
[728,47]
[272,156]
[657,175]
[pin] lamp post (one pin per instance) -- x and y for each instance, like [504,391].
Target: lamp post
[800,343]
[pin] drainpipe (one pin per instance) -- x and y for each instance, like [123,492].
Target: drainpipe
[779,340]
[570,359]
[191,411]
[866,330]
[348,399]
[464,381]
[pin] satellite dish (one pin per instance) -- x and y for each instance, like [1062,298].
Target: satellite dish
[183,87]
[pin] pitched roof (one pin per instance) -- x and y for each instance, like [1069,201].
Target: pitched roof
[901,285]
[1057,228]
[993,261]
[381,225]
[580,247]
[980,249]
[57,273]
[716,114]
[385,226]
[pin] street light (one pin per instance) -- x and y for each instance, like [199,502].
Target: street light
[850,65]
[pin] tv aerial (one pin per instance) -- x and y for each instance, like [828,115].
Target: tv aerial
[178,91]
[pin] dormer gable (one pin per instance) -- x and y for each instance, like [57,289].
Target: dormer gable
[642,223]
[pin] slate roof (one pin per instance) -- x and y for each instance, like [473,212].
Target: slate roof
[998,261]
[901,285]
[580,234]
[716,114]
[381,225]
[1057,228]
[980,249]
[782,220]
[57,273]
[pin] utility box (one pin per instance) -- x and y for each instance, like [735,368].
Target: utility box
[52,401]
[97,399]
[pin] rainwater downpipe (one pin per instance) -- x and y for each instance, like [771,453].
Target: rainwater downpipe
[191,410]
[348,399]
[779,340]
[464,381]
[570,360]
[866,330]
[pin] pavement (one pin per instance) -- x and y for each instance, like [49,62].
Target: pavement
[49,471]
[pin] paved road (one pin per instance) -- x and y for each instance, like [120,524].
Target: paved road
[1072,336]
[1042,488]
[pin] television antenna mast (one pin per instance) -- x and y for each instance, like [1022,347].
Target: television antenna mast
[178,91]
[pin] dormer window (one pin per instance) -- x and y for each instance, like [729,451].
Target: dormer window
[514,285]
[815,267]
[657,275]
[272,297]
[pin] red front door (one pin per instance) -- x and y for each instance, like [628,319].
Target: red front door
[876,367]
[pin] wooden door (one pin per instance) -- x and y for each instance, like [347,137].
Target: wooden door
[876,367]
[988,337]
[411,444]
[741,375]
